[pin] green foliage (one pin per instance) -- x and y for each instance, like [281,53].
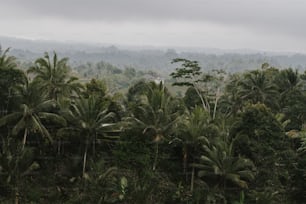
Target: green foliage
[219,167]
[7,62]
[16,165]
[33,112]
[53,76]
[230,139]
[257,88]
[241,199]
[260,137]
[88,120]
[10,78]
[96,88]
[188,71]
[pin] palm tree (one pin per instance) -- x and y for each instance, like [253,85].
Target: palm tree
[32,113]
[288,82]
[221,167]
[292,98]
[10,77]
[15,165]
[155,112]
[257,88]
[289,85]
[54,75]
[88,119]
[7,62]
[193,128]
[231,102]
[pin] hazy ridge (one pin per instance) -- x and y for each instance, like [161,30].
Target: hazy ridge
[151,58]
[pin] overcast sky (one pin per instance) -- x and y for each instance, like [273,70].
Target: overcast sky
[272,25]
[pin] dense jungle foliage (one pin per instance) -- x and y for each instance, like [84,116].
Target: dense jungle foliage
[229,138]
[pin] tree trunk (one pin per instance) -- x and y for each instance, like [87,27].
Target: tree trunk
[85,159]
[8,101]
[216,103]
[156,156]
[16,195]
[24,138]
[58,146]
[185,158]
[192,179]
[205,106]
[94,145]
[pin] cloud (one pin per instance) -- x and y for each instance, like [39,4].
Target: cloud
[251,18]
[219,10]
[280,15]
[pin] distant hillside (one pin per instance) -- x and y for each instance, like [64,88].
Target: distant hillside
[150,58]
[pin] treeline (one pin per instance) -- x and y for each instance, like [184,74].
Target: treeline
[150,58]
[230,138]
[117,79]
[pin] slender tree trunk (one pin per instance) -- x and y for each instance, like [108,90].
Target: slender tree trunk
[185,158]
[8,101]
[156,156]
[24,138]
[192,180]
[85,159]
[58,146]
[16,195]
[224,189]
[94,146]
[201,98]
[216,104]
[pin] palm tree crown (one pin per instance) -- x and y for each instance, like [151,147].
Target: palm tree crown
[54,75]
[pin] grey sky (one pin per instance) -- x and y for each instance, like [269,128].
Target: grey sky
[277,25]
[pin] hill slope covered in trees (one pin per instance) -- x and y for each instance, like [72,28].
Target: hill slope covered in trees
[229,138]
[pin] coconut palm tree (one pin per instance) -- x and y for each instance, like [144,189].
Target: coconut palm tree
[292,98]
[15,165]
[10,77]
[257,88]
[8,62]
[155,112]
[289,84]
[54,76]
[231,102]
[288,79]
[33,112]
[192,129]
[219,166]
[88,119]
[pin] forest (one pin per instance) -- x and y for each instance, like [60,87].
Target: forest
[68,136]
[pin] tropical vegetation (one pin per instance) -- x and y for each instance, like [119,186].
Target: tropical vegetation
[229,138]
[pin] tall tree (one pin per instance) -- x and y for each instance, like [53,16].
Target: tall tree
[194,127]
[292,97]
[155,112]
[189,74]
[259,136]
[15,166]
[208,86]
[54,76]
[219,166]
[88,119]
[257,88]
[34,110]
[231,102]
[10,78]
[6,61]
